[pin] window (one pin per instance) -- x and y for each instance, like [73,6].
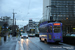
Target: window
[43,29]
[50,29]
[57,29]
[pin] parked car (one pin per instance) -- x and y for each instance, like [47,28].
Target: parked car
[68,34]
[24,35]
[73,35]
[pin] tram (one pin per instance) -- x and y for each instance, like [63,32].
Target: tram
[51,32]
[31,32]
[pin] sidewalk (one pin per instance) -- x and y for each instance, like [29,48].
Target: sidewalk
[10,44]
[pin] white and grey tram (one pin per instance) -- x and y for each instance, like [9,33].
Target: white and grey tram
[31,32]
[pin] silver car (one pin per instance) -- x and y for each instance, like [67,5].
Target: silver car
[24,35]
[73,35]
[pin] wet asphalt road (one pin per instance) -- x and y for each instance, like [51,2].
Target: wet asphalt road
[33,43]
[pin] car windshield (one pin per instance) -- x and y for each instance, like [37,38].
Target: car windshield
[24,34]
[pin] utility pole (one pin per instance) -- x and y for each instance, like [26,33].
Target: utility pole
[13,21]
[15,24]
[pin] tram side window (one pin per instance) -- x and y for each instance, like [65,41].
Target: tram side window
[50,29]
[40,30]
[43,30]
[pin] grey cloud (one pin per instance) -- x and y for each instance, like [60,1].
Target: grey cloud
[21,8]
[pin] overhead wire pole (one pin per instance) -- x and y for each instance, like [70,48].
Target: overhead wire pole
[13,22]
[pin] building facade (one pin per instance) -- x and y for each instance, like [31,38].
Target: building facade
[60,10]
[8,20]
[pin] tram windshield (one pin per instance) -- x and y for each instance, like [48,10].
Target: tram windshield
[57,29]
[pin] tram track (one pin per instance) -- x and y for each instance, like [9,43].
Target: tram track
[33,44]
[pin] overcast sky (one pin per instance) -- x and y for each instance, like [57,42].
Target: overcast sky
[25,9]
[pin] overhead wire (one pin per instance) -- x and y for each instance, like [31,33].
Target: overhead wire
[28,7]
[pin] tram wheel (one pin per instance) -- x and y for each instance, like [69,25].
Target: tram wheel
[40,40]
[45,41]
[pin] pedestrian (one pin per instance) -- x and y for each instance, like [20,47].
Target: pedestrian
[15,33]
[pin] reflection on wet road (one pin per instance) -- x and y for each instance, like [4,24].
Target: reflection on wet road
[33,43]
[28,45]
